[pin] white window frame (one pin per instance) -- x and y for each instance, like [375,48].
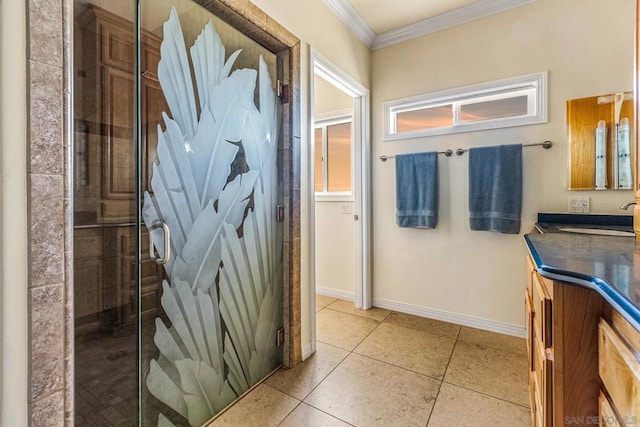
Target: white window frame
[532,85]
[323,121]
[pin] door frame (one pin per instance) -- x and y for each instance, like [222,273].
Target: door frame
[323,67]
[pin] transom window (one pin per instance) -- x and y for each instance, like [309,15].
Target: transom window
[333,145]
[504,103]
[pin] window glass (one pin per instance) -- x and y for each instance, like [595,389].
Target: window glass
[495,109]
[339,157]
[424,118]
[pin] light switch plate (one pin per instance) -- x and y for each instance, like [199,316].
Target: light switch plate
[578,205]
[346,208]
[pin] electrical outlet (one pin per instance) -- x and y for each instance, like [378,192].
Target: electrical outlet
[578,205]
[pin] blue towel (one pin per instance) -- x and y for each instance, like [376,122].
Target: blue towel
[417,190]
[495,188]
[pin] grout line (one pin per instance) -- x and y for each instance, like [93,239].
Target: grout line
[330,372]
[385,317]
[325,412]
[336,367]
[443,376]
[356,315]
[325,377]
[487,394]
[290,412]
[333,345]
[400,367]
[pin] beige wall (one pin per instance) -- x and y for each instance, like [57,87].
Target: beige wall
[335,250]
[587,47]
[315,25]
[13,215]
[327,98]
[335,231]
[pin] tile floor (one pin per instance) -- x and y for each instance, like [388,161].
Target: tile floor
[383,368]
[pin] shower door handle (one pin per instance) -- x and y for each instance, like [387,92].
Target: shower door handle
[167,244]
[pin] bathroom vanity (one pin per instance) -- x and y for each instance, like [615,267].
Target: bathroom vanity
[583,328]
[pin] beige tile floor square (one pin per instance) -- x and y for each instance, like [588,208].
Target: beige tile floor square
[264,406]
[422,324]
[393,369]
[488,370]
[457,406]
[413,350]
[301,380]
[322,301]
[494,340]
[386,395]
[341,329]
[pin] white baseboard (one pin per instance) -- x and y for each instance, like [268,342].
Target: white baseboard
[336,293]
[446,316]
[307,351]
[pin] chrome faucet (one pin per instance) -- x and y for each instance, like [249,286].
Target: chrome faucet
[626,206]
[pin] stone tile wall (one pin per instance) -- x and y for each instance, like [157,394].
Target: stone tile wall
[48,56]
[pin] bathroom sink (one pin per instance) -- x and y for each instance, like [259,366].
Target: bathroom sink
[597,231]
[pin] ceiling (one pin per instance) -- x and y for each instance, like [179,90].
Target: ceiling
[380,23]
[385,15]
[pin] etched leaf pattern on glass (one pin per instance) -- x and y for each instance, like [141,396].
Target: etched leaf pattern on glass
[220,340]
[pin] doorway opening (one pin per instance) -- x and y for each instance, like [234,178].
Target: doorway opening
[339,188]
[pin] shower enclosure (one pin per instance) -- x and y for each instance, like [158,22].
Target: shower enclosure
[178,213]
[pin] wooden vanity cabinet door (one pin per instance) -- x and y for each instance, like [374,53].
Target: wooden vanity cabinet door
[538,325]
[619,368]
[528,329]
[541,303]
[606,414]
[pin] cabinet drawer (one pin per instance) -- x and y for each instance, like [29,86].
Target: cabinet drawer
[541,306]
[606,415]
[619,370]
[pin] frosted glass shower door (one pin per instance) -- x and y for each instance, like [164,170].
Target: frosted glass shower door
[210,124]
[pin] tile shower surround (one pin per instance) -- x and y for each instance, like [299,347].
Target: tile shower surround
[50,195]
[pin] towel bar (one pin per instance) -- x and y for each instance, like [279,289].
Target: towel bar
[460,151]
[447,153]
[546,145]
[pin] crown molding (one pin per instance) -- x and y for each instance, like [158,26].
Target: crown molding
[446,20]
[348,15]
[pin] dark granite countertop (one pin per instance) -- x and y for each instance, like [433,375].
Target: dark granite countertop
[610,265]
